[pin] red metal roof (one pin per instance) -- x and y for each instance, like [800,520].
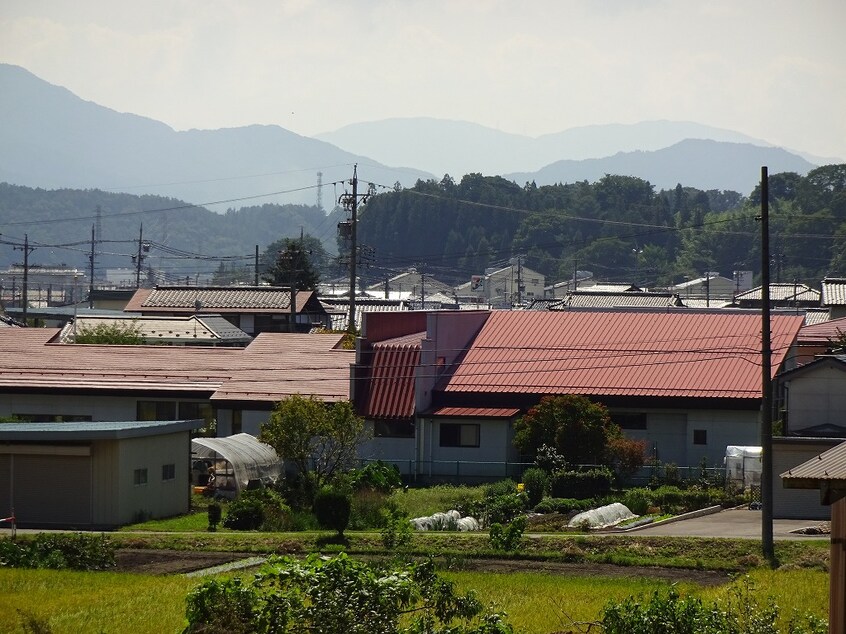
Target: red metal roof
[391,393]
[621,353]
[476,412]
[823,332]
[273,366]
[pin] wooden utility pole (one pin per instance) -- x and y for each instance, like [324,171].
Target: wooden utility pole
[91,271]
[766,379]
[138,259]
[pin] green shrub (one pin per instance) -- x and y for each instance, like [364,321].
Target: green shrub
[379,476]
[76,551]
[338,595]
[507,537]
[214,512]
[563,505]
[397,530]
[536,484]
[250,509]
[581,484]
[332,509]
[669,613]
[637,501]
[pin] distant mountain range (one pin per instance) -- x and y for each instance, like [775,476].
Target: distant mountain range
[51,138]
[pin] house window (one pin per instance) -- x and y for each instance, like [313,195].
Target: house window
[393,429]
[196,411]
[459,435]
[629,421]
[700,436]
[156,410]
[168,472]
[52,418]
[139,477]
[237,425]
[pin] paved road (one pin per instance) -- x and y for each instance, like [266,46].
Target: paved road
[741,523]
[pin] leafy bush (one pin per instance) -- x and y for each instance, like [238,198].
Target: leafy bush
[549,459]
[669,613]
[563,505]
[397,530]
[638,501]
[338,595]
[536,484]
[332,509]
[76,551]
[251,509]
[214,512]
[507,537]
[581,484]
[378,476]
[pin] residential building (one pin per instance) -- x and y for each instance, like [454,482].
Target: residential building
[833,296]
[253,309]
[687,382]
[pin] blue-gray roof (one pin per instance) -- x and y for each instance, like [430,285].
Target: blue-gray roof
[94,430]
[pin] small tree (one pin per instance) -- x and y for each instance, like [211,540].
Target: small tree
[293,265]
[576,427]
[320,440]
[332,509]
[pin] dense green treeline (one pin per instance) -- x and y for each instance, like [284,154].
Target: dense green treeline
[172,227]
[619,228]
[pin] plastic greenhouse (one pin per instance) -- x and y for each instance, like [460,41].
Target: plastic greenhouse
[239,462]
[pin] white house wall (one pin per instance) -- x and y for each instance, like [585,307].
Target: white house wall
[817,397]
[397,451]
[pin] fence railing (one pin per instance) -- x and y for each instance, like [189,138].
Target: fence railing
[479,472]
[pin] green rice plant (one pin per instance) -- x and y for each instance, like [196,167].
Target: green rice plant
[68,602]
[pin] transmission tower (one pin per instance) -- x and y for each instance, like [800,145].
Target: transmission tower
[320,191]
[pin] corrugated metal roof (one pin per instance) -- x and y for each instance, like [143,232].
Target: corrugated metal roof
[782,292]
[273,366]
[590,299]
[476,412]
[391,393]
[189,328]
[93,430]
[823,332]
[625,353]
[217,299]
[834,291]
[828,466]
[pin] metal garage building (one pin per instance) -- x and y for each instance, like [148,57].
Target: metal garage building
[94,475]
[791,503]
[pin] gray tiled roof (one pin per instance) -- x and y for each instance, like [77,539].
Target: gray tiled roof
[834,291]
[215,298]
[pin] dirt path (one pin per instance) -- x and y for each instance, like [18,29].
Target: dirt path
[169,562]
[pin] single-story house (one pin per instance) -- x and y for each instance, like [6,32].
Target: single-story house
[253,309]
[94,475]
[834,296]
[234,388]
[184,330]
[687,382]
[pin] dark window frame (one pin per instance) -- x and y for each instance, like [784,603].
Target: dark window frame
[452,435]
[700,436]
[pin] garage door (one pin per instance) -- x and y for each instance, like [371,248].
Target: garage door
[52,489]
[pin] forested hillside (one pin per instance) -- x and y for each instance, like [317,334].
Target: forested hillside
[58,224]
[619,227]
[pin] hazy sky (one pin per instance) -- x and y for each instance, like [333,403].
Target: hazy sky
[775,70]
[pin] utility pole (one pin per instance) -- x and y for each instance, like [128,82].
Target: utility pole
[91,269]
[138,258]
[25,288]
[519,280]
[255,279]
[351,202]
[766,379]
